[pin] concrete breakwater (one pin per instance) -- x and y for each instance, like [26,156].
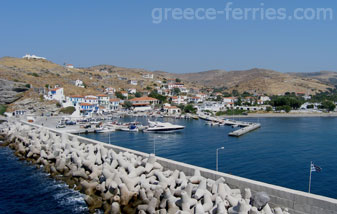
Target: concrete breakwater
[120,180]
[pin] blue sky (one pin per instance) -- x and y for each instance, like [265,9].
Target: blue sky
[122,33]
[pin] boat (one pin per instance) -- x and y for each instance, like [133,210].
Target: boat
[156,126]
[131,128]
[105,129]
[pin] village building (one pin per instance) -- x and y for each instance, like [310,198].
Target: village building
[175,85]
[172,110]
[114,104]
[103,100]
[133,82]
[132,90]
[110,90]
[79,83]
[144,103]
[148,76]
[55,94]
[69,66]
[229,100]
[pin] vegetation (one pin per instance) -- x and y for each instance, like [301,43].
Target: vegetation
[58,105]
[3,109]
[189,109]
[34,74]
[176,91]
[328,105]
[231,112]
[161,98]
[138,94]
[287,102]
[178,80]
[27,85]
[269,108]
[67,110]
[127,104]
[119,95]
[330,95]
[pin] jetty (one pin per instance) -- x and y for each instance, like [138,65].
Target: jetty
[246,126]
[120,180]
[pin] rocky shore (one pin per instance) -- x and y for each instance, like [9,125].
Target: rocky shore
[127,183]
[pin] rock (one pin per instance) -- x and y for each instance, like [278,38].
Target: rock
[11,91]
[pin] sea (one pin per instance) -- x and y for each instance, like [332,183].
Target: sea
[278,153]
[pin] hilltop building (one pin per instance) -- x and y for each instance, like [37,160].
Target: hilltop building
[27,56]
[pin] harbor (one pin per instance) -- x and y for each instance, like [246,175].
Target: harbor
[291,201]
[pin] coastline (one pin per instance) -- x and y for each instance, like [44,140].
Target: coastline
[293,115]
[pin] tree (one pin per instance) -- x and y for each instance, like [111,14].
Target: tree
[119,95]
[154,94]
[176,91]
[235,93]
[127,104]
[269,108]
[190,109]
[328,105]
[178,80]
[138,94]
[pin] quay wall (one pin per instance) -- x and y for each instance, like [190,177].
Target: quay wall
[297,202]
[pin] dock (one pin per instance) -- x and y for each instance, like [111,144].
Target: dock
[247,126]
[245,130]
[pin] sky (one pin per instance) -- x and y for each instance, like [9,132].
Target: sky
[127,33]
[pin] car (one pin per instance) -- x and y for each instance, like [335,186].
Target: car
[60,126]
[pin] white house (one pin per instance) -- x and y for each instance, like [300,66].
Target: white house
[211,106]
[125,94]
[179,100]
[114,104]
[103,100]
[69,66]
[75,100]
[172,110]
[55,94]
[175,85]
[148,76]
[132,90]
[27,56]
[91,99]
[110,90]
[229,100]
[195,99]
[133,82]
[79,83]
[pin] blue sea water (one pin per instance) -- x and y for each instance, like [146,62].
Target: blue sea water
[24,189]
[278,153]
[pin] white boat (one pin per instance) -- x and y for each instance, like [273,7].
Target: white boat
[105,129]
[155,126]
[131,128]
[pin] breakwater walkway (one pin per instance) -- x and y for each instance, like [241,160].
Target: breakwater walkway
[246,126]
[121,180]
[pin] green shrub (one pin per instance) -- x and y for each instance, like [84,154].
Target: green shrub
[27,85]
[68,110]
[3,109]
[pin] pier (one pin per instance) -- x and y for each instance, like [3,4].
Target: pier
[247,126]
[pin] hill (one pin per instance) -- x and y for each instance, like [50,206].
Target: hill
[257,81]
[328,77]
